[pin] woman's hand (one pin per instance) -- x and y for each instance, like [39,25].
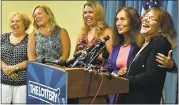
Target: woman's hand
[120,73]
[8,70]
[13,76]
[165,61]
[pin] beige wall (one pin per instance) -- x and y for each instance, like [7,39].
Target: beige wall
[68,15]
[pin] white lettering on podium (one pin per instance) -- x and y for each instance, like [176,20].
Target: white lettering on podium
[44,92]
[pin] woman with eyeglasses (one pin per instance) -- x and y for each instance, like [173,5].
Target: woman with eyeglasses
[146,78]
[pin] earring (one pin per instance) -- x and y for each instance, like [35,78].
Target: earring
[159,30]
[49,30]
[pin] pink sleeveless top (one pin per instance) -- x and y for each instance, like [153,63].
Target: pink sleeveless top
[121,61]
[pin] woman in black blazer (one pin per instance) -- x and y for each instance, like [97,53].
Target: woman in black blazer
[146,78]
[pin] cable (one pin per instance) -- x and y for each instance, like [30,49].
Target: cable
[90,80]
[117,95]
[98,89]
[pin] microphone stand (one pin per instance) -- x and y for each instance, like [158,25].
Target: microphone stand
[97,54]
[94,56]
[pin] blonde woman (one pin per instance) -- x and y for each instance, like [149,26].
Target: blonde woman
[95,27]
[48,40]
[14,59]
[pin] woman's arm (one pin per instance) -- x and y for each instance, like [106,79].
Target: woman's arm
[2,65]
[66,44]
[109,43]
[77,42]
[13,68]
[31,48]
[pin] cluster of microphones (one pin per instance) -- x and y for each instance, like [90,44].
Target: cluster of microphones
[84,58]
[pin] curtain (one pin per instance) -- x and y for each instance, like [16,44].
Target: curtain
[170,88]
[110,7]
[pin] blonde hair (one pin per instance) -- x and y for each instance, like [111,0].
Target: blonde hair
[51,20]
[24,16]
[99,16]
[166,25]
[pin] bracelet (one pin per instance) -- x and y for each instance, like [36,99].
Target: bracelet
[17,68]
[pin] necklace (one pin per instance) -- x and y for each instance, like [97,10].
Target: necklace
[125,45]
[15,39]
[145,44]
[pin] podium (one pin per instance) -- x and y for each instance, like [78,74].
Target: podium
[84,85]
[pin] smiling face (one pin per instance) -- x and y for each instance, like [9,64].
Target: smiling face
[150,24]
[41,18]
[17,25]
[122,23]
[89,16]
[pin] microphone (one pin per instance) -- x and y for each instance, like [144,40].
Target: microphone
[69,62]
[102,41]
[58,62]
[82,56]
[40,60]
[85,50]
[105,55]
[99,46]
[78,54]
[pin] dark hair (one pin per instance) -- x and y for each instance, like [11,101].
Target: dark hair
[134,25]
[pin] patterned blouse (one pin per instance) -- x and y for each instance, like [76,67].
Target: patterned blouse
[48,46]
[11,55]
[83,42]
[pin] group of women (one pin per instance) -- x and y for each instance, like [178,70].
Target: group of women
[135,48]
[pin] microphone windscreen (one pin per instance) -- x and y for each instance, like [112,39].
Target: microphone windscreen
[62,62]
[40,60]
[106,37]
[77,54]
[105,54]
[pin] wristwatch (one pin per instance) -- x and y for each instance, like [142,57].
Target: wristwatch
[17,68]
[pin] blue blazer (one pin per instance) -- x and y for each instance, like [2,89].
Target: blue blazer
[114,55]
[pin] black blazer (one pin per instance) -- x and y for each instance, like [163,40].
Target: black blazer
[146,79]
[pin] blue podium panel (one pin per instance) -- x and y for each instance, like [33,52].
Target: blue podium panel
[46,85]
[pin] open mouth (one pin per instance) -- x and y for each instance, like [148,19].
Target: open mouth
[119,28]
[38,20]
[145,26]
[88,20]
[15,27]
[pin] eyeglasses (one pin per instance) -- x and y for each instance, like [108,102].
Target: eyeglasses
[151,18]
